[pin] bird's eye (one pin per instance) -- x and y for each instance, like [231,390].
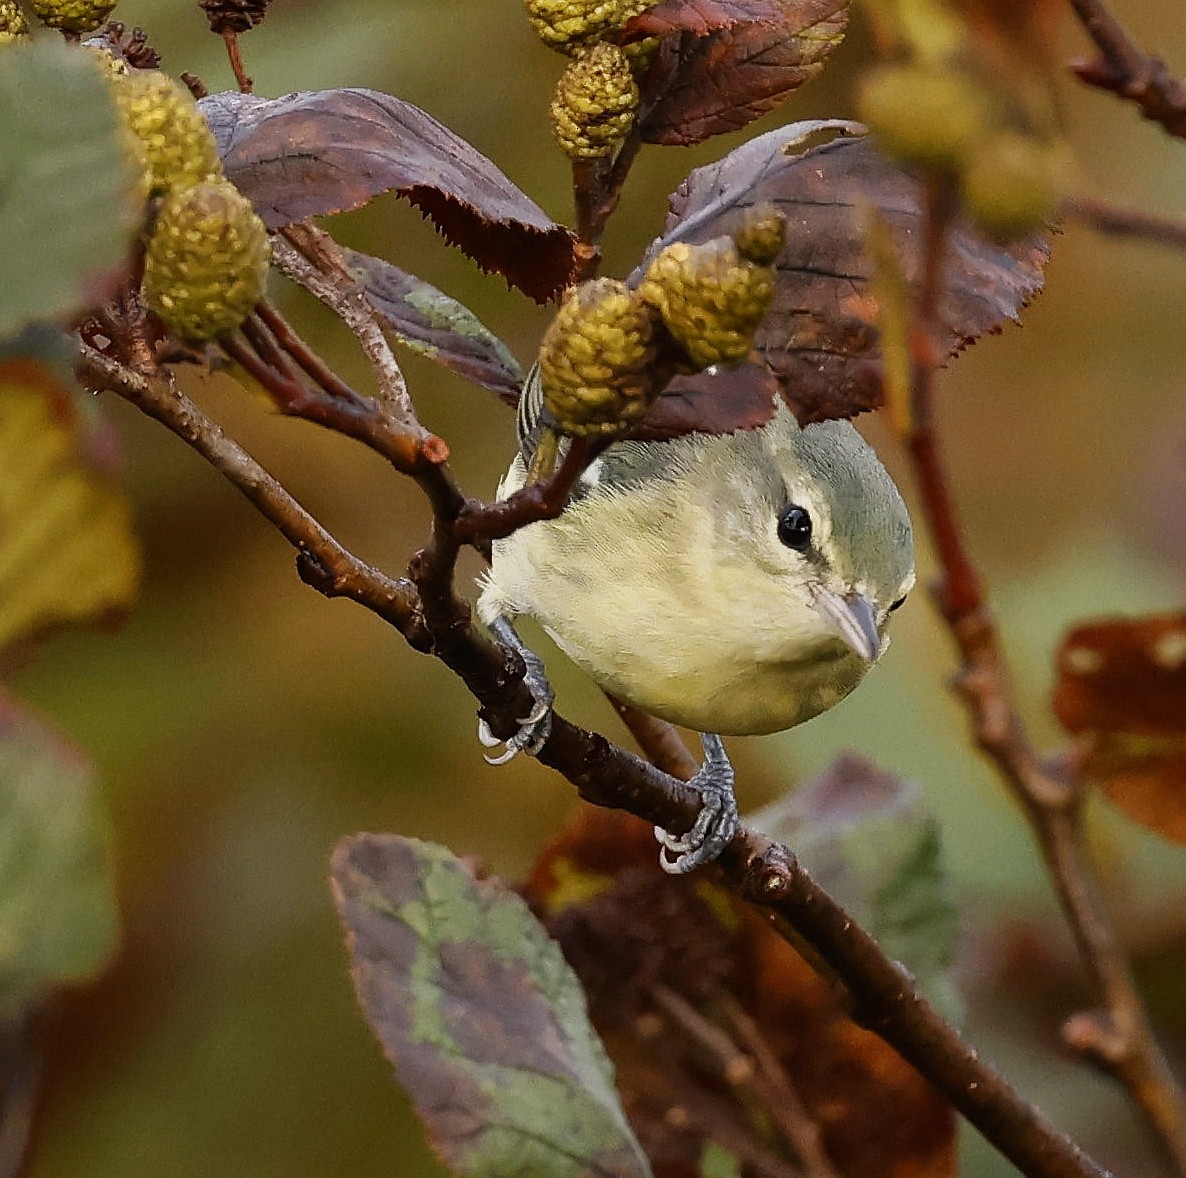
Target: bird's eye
[794,528]
[898,604]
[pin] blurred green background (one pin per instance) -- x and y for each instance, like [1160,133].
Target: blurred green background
[242,724]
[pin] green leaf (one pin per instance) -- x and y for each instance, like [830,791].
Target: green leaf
[67,182]
[57,907]
[67,551]
[481,1016]
[867,837]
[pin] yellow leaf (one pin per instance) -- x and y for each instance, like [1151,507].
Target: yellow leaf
[67,551]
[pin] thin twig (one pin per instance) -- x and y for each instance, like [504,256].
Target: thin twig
[799,1126]
[768,1088]
[1125,69]
[312,258]
[347,576]
[1052,799]
[1130,223]
[658,740]
[310,362]
[243,79]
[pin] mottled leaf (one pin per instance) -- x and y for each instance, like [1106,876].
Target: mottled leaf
[57,905]
[67,212]
[656,953]
[67,551]
[868,838]
[435,325]
[1122,688]
[820,337]
[324,151]
[720,64]
[481,1017]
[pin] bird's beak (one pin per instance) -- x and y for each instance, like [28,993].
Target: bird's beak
[852,618]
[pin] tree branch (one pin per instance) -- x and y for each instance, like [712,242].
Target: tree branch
[1125,69]
[1118,222]
[1052,798]
[764,873]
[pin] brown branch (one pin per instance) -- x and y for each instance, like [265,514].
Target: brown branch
[309,361]
[1052,799]
[1130,223]
[767,874]
[753,1069]
[310,257]
[596,191]
[342,574]
[242,78]
[658,740]
[1125,69]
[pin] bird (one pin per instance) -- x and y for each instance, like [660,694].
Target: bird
[733,584]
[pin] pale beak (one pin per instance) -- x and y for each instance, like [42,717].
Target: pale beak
[852,618]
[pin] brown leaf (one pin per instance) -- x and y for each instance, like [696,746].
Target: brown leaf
[435,325]
[820,337]
[317,152]
[1122,686]
[633,933]
[703,16]
[720,65]
[720,401]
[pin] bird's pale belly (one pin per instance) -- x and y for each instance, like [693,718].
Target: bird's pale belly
[724,694]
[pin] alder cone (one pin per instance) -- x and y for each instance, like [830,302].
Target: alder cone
[234,16]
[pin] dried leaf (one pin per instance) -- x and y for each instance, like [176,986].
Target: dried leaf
[324,151]
[67,208]
[435,325]
[820,337]
[481,1017]
[720,64]
[1122,686]
[58,921]
[67,551]
[634,935]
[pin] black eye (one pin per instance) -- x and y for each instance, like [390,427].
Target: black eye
[794,528]
[898,604]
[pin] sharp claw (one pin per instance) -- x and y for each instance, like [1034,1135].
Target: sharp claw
[485,737]
[716,823]
[541,709]
[502,758]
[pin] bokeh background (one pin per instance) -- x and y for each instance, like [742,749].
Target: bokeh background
[241,724]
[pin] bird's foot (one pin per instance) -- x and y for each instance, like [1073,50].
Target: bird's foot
[536,726]
[718,820]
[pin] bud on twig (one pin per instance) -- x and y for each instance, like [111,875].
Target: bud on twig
[594,104]
[206,262]
[177,141]
[567,25]
[595,360]
[74,16]
[712,297]
[234,16]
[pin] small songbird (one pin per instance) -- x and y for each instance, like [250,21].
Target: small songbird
[733,584]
